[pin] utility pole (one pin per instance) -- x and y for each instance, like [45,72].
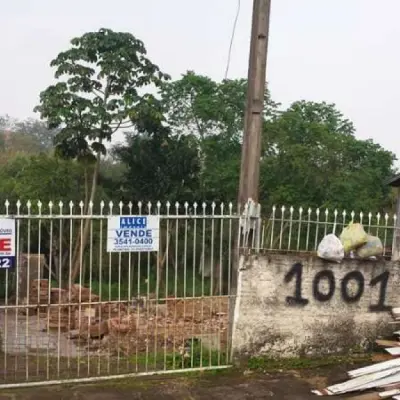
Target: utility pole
[253,123]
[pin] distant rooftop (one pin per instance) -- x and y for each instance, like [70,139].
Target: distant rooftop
[395,181]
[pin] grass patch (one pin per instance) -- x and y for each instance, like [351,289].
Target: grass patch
[261,364]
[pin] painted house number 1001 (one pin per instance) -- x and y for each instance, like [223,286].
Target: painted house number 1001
[355,277]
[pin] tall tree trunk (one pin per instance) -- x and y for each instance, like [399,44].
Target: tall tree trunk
[82,238]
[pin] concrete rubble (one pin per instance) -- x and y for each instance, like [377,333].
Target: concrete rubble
[142,324]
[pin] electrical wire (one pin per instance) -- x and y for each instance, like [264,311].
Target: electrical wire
[232,38]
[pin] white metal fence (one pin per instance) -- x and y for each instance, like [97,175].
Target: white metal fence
[70,311]
[289,229]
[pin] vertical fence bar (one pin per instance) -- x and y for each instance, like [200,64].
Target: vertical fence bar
[6,295]
[166,295]
[299,228]
[203,258]
[110,304]
[195,272]
[148,301]
[291,211]
[130,296]
[50,270]
[185,247]
[39,289]
[220,271]
[60,285]
[93,310]
[28,296]
[71,313]
[100,271]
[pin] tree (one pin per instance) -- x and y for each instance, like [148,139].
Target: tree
[212,112]
[37,130]
[30,135]
[198,105]
[100,77]
[311,158]
[48,179]
[159,167]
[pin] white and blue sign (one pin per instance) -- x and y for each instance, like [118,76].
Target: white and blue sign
[7,243]
[133,233]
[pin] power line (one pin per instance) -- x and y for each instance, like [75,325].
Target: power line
[232,38]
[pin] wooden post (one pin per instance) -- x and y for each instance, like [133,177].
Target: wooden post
[396,233]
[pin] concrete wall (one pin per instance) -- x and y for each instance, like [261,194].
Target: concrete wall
[296,305]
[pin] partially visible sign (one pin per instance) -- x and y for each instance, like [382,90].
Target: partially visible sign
[7,243]
[133,233]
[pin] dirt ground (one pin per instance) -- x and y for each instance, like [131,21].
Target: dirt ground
[232,385]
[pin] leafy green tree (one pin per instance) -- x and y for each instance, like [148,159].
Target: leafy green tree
[97,93]
[212,112]
[159,167]
[197,105]
[311,158]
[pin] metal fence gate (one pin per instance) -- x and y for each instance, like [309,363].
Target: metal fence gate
[71,311]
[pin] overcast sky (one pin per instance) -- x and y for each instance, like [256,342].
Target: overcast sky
[341,51]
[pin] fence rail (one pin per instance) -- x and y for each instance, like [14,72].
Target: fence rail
[302,229]
[71,311]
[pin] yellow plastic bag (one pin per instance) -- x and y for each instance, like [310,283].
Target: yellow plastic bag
[372,248]
[353,236]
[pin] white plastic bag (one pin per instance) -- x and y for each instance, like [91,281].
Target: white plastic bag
[331,248]
[353,236]
[372,248]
